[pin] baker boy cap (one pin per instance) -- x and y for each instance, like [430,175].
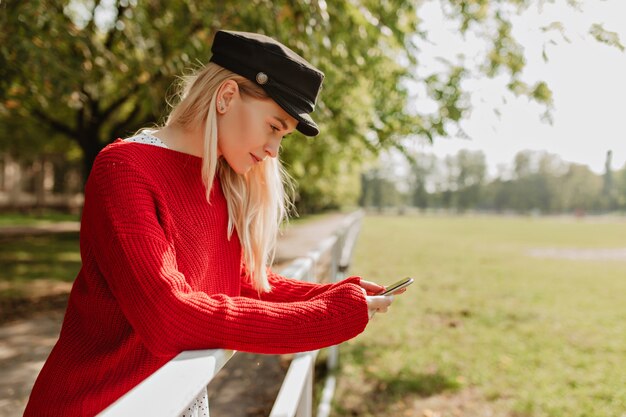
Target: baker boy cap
[286,77]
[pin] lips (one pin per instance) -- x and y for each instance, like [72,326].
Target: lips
[254,157]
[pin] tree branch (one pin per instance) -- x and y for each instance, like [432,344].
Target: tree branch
[116,132]
[55,124]
[80,119]
[111,35]
[92,21]
[117,103]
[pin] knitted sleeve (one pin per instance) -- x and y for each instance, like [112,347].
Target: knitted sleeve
[288,289]
[139,265]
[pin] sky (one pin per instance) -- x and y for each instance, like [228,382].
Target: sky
[587,79]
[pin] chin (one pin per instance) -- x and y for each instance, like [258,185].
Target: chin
[241,169]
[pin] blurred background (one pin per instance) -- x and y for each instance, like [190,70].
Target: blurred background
[484,138]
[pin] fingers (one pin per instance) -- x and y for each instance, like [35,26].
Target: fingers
[379,303]
[371,287]
[400,291]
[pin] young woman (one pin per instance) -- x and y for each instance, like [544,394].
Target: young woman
[177,232]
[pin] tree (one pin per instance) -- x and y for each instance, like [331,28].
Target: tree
[609,192]
[421,168]
[445,173]
[108,67]
[535,181]
[472,169]
[621,188]
[499,195]
[580,188]
[82,73]
[378,190]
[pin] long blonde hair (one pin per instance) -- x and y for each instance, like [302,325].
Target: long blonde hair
[258,201]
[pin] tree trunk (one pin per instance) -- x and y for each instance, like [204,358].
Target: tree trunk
[91,147]
[39,179]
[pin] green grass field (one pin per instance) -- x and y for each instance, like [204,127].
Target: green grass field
[487,329]
[53,256]
[44,217]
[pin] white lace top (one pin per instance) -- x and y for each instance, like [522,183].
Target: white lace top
[199,407]
[146,137]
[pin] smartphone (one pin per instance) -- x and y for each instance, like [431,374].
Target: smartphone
[403,283]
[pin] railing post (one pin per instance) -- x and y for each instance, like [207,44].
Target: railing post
[305,408]
[341,255]
[336,276]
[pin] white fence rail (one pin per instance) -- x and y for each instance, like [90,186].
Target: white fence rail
[170,390]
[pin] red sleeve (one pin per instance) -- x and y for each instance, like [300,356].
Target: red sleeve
[288,289]
[139,265]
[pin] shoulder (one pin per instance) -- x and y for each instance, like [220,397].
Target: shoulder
[118,151]
[122,158]
[122,164]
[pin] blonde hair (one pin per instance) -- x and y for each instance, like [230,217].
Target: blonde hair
[257,201]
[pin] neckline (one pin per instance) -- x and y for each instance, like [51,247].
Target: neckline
[185,157]
[146,135]
[186,160]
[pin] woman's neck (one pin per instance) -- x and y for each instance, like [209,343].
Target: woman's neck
[182,140]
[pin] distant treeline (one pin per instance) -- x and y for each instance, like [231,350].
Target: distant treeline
[536,181]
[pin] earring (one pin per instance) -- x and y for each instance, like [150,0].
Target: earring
[221,106]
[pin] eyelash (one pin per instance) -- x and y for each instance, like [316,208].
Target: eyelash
[274,128]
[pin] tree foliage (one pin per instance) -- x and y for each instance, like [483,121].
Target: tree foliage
[535,182]
[78,74]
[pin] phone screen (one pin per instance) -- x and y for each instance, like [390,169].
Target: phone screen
[397,286]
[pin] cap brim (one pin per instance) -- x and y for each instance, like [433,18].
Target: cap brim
[306,125]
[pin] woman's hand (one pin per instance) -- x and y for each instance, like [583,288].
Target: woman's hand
[376,303]
[372,288]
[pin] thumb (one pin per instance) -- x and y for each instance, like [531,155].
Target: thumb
[379,301]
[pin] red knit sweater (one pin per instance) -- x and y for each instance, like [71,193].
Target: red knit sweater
[159,276]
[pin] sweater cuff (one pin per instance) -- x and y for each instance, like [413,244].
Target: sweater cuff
[351,280]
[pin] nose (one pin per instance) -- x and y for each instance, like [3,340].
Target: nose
[271,147]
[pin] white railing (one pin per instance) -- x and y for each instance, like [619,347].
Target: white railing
[170,390]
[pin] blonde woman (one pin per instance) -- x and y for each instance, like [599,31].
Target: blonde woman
[177,234]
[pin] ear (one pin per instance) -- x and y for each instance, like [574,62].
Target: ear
[226,92]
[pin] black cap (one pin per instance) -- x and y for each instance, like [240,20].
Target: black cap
[286,77]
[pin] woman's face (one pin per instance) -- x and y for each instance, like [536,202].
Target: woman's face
[249,130]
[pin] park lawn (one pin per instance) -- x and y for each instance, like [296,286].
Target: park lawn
[45,217]
[487,329]
[28,260]
[51,256]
